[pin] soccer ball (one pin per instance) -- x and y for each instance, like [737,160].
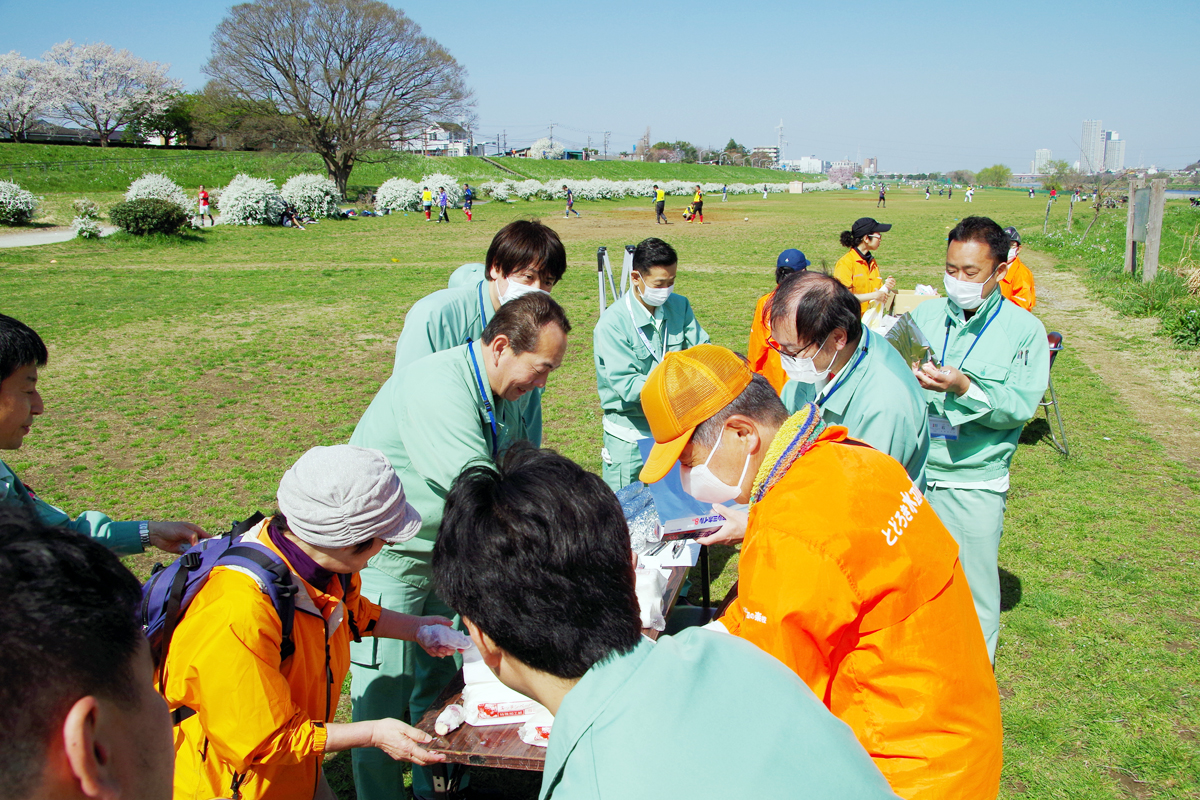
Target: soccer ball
[747,219]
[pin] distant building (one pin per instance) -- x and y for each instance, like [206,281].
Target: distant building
[1091,147]
[769,152]
[439,139]
[1041,158]
[805,164]
[1114,152]
[846,163]
[870,166]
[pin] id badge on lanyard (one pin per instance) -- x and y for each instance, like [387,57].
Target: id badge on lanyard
[658,357]
[940,428]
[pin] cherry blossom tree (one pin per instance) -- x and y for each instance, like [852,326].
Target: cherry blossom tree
[24,93]
[103,89]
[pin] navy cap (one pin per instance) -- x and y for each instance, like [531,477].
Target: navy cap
[1013,236]
[792,259]
[865,226]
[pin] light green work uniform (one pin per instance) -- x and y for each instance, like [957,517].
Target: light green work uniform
[877,399]
[430,422]
[466,275]
[120,537]
[1003,350]
[446,319]
[628,342]
[701,715]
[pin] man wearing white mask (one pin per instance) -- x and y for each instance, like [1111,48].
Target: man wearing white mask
[993,367]
[633,335]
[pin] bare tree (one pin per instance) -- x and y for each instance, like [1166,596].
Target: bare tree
[344,78]
[103,89]
[24,93]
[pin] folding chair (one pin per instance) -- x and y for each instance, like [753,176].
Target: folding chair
[1060,440]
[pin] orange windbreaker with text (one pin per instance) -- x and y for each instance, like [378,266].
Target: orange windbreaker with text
[849,578]
[858,275]
[1017,285]
[255,716]
[763,358]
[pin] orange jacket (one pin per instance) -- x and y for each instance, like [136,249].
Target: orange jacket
[1017,285]
[763,358]
[253,715]
[858,275]
[848,577]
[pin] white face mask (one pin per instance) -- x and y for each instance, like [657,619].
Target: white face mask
[655,297]
[967,296]
[1012,253]
[702,484]
[805,370]
[514,290]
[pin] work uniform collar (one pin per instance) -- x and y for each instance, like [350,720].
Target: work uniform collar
[641,315]
[867,257]
[586,701]
[845,392]
[981,314]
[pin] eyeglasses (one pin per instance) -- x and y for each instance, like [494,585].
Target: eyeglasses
[875,236]
[778,348]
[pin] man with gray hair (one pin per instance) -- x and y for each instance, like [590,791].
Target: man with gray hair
[431,419]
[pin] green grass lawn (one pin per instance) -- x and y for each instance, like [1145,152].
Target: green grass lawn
[185,377]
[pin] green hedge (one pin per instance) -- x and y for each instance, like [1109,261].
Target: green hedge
[148,215]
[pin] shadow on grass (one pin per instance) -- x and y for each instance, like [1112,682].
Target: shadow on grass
[1036,431]
[1010,590]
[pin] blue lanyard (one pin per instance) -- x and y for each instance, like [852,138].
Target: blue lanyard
[641,333]
[845,375]
[978,336]
[482,314]
[487,404]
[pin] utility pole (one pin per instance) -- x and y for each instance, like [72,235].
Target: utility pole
[781,143]
[552,124]
[606,135]
[589,147]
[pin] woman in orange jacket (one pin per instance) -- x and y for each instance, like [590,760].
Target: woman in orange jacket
[857,270]
[763,358]
[255,725]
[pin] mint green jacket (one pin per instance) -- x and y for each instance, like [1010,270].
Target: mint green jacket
[1009,365]
[701,715]
[446,319]
[428,419]
[879,402]
[120,537]
[622,360]
[466,275]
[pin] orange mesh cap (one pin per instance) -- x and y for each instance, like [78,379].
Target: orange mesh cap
[684,390]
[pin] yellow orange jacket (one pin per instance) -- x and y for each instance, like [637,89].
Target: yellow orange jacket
[857,274]
[254,715]
[1017,285]
[763,358]
[848,577]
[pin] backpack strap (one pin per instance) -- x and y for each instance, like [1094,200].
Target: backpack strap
[238,528]
[281,576]
[354,631]
[189,561]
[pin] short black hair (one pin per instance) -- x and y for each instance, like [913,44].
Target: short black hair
[535,552]
[822,304]
[758,401]
[653,252]
[523,243]
[68,629]
[522,320]
[20,346]
[985,230]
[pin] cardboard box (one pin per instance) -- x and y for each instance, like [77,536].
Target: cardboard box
[906,300]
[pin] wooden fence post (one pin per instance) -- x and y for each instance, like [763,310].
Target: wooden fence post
[1070,213]
[1158,200]
[1130,244]
[1046,222]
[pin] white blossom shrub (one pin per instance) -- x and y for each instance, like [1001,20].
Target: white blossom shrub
[85,208]
[313,196]
[497,190]
[160,187]
[454,191]
[397,194]
[17,206]
[250,201]
[544,148]
[86,227]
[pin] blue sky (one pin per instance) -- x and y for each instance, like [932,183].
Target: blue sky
[920,85]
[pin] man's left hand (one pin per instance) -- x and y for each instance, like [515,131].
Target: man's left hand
[942,379]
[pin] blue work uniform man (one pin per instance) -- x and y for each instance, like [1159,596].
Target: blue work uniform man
[994,366]
[853,375]
[614,693]
[431,419]
[632,336]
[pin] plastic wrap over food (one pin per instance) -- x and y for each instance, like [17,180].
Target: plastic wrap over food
[431,636]
[536,731]
[909,341]
[649,583]
[637,504]
[450,719]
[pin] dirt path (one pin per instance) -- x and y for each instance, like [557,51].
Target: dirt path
[1160,383]
[47,236]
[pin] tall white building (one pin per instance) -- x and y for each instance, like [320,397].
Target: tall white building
[1041,158]
[1114,152]
[805,164]
[1091,147]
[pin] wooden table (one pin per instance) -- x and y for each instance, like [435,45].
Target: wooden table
[499,746]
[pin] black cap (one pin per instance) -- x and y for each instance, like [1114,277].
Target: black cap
[866,226]
[1013,236]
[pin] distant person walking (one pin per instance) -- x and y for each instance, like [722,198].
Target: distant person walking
[443,201]
[660,206]
[1030,192]
[927,192]
[882,201]
[764,191]
[698,205]
[724,191]
[426,201]
[970,194]
[1053,195]
[570,202]
[950,196]
[468,199]
[203,198]
[941,191]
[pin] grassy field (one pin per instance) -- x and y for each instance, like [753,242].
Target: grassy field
[185,377]
[66,168]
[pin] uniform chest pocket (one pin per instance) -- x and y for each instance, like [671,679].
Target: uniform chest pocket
[987,371]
